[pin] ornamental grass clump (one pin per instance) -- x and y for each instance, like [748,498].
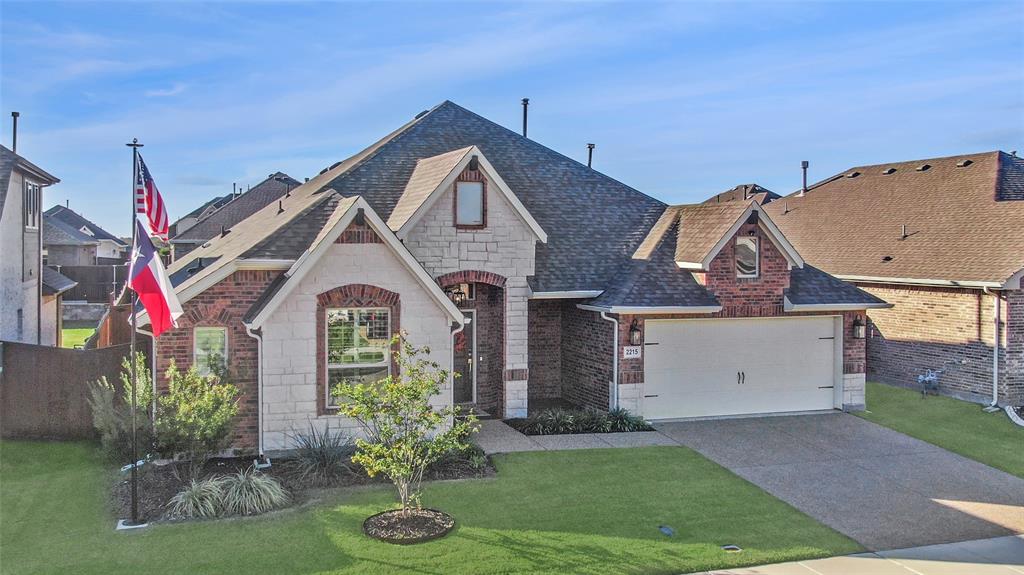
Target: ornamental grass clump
[250,492]
[404,433]
[322,455]
[202,499]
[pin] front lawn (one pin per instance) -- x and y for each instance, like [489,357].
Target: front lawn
[591,511]
[959,426]
[75,336]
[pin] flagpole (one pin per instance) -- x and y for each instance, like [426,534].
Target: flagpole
[135,145]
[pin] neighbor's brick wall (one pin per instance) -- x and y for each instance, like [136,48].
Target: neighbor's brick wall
[1014,365]
[223,305]
[179,251]
[928,326]
[586,356]
[545,318]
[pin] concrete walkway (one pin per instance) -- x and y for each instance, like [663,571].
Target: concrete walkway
[883,489]
[497,437]
[998,556]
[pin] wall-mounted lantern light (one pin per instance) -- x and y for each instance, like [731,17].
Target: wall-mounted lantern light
[859,328]
[635,333]
[456,294]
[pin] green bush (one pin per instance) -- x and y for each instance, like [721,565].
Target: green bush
[558,420]
[250,492]
[112,416]
[202,499]
[322,455]
[195,417]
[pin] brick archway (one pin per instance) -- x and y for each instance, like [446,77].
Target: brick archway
[471,276]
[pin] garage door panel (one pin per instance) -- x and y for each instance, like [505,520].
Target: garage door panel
[692,370]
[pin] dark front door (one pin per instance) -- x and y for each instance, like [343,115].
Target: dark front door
[465,366]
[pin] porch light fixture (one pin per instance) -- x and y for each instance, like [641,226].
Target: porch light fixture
[456,294]
[634,333]
[859,329]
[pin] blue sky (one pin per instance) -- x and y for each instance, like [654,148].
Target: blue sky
[682,99]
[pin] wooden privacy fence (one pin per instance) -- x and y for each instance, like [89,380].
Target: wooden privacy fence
[95,283]
[44,390]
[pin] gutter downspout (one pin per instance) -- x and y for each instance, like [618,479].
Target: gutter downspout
[996,337]
[614,395]
[257,334]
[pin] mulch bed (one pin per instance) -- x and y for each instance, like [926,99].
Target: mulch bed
[419,526]
[159,483]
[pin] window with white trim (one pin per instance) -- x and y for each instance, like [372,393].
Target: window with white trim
[469,203]
[210,350]
[32,204]
[747,257]
[358,346]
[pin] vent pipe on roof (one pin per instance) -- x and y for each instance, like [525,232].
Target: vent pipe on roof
[803,167]
[234,189]
[526,106]
[14,131]
[590,154]
[903,232]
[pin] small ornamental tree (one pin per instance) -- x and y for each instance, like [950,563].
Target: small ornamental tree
[112,411]
[196,416]
[404,433]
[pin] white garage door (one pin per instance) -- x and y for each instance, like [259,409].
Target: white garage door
[698,368]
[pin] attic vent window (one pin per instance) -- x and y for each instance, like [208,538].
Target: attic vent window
[964,163]
[889,171]
[924,167]
[852,174]
[469,205]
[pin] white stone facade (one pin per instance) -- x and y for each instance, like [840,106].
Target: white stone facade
[505,247]
[630,397]
[853,391]
[289,401]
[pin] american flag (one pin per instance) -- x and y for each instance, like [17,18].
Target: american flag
[148,200]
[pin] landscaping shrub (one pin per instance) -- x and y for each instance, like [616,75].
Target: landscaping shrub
[250,492]
[405,434]
[112,416]
[322,455]
[196,416]
[202,499]
[558,420]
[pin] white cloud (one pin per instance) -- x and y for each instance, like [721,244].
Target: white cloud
[174,90]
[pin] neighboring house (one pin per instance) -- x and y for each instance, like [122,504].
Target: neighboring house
[534,277]
[65,245]
[215,222]
[29,293]
[110,249]
[943,240]
[188,220]
[746,193]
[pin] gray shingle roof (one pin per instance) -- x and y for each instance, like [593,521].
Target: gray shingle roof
[745,192]
[810,286]
[55,282]
[9,161]
[237,209]
[77,221]
[59,233]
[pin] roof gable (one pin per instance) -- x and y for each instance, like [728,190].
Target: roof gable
[79,222]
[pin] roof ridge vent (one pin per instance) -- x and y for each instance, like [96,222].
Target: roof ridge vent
[889,171]
[924,167]
[964,163]
[853,174]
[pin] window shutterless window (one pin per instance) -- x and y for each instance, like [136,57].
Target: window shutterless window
[358,346]
[469,204]
[31,198]
[210,349]
[746,258]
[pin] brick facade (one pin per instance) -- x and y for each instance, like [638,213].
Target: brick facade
[489,304]
[351,295]
[587,357]
[223,305]
[545,317]
[929,326]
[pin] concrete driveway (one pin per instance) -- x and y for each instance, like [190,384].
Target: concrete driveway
[883,489]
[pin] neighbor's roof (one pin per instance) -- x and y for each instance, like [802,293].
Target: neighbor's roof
[745,192]
[75,220]
[55,282]
[59,233]
[963,216]
[202,211]
[9,161]
[569,201]
[235,210]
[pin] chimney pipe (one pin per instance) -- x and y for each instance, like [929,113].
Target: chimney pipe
[14,132]
[803,166]
[590,154]
[526,106]
[234,189]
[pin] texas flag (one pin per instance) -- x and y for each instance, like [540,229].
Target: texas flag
[149,280]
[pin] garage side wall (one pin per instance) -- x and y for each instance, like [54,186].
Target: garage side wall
[587,354]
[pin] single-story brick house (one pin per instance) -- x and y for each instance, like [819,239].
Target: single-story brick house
[943,240]
[531,275]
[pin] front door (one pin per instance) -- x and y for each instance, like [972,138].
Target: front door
[465,366]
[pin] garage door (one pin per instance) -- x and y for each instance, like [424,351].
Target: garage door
[699,368]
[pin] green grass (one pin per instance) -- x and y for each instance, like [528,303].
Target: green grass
[75,336]
[959,426]
[594,511]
